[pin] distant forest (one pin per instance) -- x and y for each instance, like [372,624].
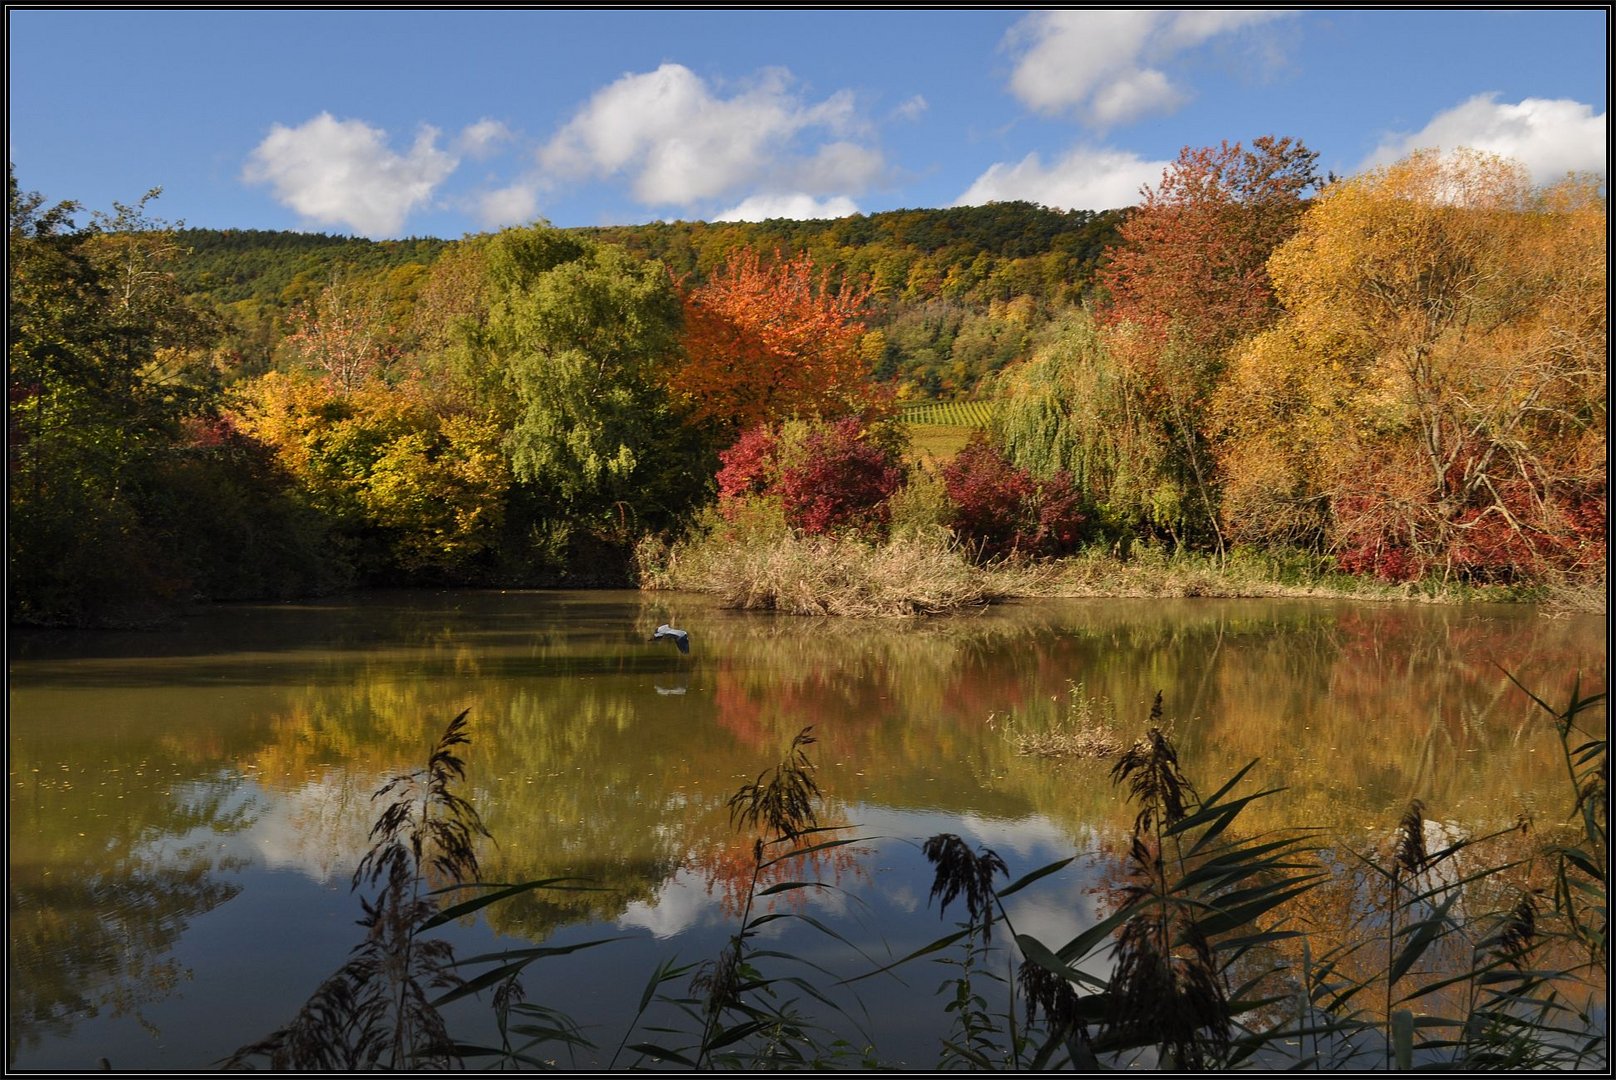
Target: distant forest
[957,294]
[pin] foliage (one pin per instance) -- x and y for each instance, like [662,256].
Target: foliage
[1187,281]
[1001,510]
[581,335]
[344,333]
[1434,400]
[413,490]
[1069,407]
[1195,252]
[831,477]
[990,274]
[842,481]
[765,342]
[121,505]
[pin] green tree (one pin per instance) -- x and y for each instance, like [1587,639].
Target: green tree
[1066,409]
[580,336]
[124,499]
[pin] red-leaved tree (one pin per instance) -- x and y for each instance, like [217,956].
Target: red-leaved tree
[1188,281]
[829,477]
[841,482]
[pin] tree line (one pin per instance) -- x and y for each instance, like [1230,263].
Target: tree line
[1403,369]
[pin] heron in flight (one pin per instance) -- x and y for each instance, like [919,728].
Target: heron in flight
[678,637]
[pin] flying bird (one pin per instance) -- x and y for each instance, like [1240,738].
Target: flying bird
[678,637]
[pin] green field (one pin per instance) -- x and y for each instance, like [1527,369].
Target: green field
[965,414]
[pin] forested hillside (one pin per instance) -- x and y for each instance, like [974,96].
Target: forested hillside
[954,294]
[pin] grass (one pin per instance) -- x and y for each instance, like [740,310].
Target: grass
[1082,727]
[824,575]
[923,571]
[931,445]
[1203,964]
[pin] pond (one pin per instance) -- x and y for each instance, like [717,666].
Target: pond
[187,806]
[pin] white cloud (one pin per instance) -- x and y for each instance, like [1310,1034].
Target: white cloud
[912,108]
[1549,137]
[797,206]
[837,166]
[681,142]
[1085,179]
[1106,65]
[483,139]
[517,204]
[341,172]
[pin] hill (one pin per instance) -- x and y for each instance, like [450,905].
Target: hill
[958,292]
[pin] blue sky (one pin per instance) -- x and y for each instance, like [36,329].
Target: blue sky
[442,123]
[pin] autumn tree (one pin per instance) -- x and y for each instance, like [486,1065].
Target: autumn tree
[1002,510]
[1187,281]
[1434,399]
[1071,408]
[347,332]
[765,341]
[412,491]
[815,477]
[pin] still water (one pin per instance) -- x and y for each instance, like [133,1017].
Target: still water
[187,806]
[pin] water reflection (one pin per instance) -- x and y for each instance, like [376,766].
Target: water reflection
[160,778]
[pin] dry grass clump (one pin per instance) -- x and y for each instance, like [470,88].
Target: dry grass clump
[1083,727]
[915,575]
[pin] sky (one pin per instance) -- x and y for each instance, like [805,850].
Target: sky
[431,122]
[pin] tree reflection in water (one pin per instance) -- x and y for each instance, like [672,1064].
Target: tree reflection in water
[583,767]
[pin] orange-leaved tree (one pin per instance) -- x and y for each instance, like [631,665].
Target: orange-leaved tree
[766,341]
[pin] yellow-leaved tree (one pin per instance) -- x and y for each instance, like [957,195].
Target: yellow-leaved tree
[1433,400]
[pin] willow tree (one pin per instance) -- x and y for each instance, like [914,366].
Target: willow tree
[1435,396]
[1070,408]
[579,337]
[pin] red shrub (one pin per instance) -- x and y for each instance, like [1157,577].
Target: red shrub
[842,482]
[748,468]
[1003,509]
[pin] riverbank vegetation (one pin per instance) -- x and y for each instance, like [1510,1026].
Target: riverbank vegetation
[1258,379]
[1209,949]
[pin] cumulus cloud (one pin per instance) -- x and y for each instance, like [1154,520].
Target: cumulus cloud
[1084,179]
[680,141]
[342,172]
[483,139]
[1549,137]
[1106,66]
[837,166]
[797,206]
[517,204]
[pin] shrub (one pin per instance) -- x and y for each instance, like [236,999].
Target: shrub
[1004,510]
[841,483]
[828,477]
